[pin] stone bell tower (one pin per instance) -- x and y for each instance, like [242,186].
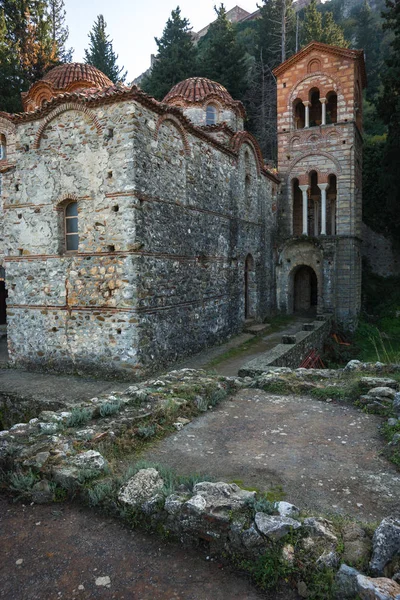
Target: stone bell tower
[320,163]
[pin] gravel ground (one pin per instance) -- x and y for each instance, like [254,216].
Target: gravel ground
[61,551]
[326,457]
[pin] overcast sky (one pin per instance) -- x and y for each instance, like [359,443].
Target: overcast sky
[133,24]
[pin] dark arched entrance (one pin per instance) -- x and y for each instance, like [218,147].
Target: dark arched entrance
[249,287]
[305,291]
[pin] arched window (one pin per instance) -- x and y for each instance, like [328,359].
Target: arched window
[211,115]
[299,114]
[71,226]
[315,108]
[314,205]
[247,178]
[3,147]
[297,208]
[331,206]
[331,108]
[249,287]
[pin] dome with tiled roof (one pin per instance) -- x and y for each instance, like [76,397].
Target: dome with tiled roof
[63,76]
[69,77]
[196,94]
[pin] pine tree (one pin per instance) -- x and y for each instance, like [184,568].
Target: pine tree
[59,30]
[100,53]
[222,57]
[176,58]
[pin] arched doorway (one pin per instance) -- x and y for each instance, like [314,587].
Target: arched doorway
[249,287]
[3,296]
[305,291]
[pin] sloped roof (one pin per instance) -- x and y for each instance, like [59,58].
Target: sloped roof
[357,55]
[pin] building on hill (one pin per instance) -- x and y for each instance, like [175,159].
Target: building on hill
[135,232]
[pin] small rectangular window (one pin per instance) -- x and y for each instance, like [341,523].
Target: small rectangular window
[71,226]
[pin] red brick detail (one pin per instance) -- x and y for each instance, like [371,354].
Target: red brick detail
[172,119]
[6,125]
[335,87]
[58,111]
[320,153]
[244,137]
[64,198]
[356,55]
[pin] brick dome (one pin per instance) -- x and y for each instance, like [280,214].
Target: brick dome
[71,77]
[62,76]
[198,90]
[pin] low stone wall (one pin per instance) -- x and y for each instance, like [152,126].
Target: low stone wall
[293,350]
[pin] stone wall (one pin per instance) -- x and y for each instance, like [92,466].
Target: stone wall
[290,354]
[166,222]
[382,257]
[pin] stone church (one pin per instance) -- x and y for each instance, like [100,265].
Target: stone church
[134,232]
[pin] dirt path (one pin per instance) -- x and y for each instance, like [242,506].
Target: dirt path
[65,549]
[326,457]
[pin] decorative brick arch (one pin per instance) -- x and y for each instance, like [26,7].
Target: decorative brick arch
[60,203]
[243,137]
[6,126]
[58,111]
[331,86]
[292,173]
[178,125]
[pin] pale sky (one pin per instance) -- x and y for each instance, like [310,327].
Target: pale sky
[132,25]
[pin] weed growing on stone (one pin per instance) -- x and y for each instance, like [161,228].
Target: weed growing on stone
[22,483]
[260,504]
[103,493]
[79,416]
[110,408]
[147,431]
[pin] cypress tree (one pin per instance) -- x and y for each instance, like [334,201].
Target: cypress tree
[321,28]
[100,53]
[222,57]
[176,58]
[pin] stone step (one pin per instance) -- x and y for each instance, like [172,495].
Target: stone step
[256,328]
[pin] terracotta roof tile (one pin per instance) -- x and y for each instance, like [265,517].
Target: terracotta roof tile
[199,89]
[62,76]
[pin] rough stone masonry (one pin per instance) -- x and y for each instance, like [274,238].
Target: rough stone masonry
[134,232]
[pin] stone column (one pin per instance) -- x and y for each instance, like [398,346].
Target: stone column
[323,102]
[304,189]
[323,187]
[307,105]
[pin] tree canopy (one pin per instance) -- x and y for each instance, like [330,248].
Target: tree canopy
[222,57]
[176,58]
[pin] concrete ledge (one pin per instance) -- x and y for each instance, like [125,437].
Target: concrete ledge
[291,354]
